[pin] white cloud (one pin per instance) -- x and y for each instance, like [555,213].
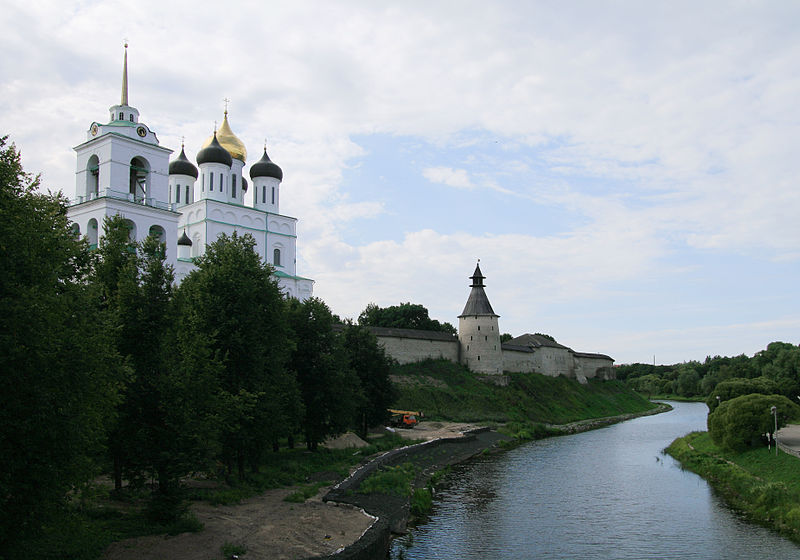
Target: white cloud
[458,178]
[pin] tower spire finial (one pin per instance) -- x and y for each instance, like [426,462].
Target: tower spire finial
[226,100]
[125,77]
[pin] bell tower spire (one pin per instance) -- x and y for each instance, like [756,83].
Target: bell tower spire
[124,100]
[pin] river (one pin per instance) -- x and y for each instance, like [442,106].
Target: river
[608,493]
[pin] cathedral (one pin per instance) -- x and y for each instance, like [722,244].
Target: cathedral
[122,170]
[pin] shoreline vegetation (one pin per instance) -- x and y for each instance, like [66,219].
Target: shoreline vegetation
[762,486]
[522,408]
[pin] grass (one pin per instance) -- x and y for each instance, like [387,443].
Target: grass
[390,480]
[229,549]
[765,487]
[304,492]
[444,390]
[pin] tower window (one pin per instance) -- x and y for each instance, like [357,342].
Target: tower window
[131,117]
[273,195]
[221,183]
[211,182]
[233,185]
[486,339]
[121,116]
[187,194]
[203,183]
[276,257]
[479,327]
[479,358]
[264,194]
[178,193]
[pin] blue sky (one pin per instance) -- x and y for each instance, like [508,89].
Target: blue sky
[626,171]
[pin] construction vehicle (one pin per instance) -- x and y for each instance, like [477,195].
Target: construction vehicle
[404,418]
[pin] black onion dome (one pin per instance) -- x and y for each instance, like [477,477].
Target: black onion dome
[265,168]
[214,153]
[184,240]
[244,184]
[182,166]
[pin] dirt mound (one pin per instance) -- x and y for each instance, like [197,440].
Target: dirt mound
[345,441]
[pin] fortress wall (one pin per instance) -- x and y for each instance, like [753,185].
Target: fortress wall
[518,362]
[554,361]
[409,350]
[594,366]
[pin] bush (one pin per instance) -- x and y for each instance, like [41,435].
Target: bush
[741,423]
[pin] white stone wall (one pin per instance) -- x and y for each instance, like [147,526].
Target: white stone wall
[479,336]
[590,367]
[409,350]
[518,362]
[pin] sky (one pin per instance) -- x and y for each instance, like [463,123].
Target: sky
[626,171]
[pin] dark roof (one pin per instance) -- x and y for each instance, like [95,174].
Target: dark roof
[592,355]
[266,168]
[412,333]
[535,341]
[515,347]
[214,153]
[182,166]
[478,301]
[184,240]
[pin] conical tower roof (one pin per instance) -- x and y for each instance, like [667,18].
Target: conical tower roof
[478,302]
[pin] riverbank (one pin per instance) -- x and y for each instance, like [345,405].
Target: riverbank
[758,483]
[392,512]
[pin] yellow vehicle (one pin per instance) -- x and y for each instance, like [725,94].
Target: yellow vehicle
[404,418]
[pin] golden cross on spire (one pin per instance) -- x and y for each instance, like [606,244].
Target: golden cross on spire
[226,100]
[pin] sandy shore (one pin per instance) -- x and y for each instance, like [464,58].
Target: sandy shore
[267,526]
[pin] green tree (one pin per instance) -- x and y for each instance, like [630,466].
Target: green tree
[737,387]
[330,390]
[56,393]
[740,423]
[233,302]
[113,265]
[403,316]
[369,361]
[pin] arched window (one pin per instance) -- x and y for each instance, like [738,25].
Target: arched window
[211,182]
[139,178]
[276,257]
[131,117]
[131,230]
[76,231]
[264,194]
[273,195]
[91,233]
[92,176]
[121,116]
[233,185]
[196,245]
[158,233]
[221,183]
[187,195]
[178,193]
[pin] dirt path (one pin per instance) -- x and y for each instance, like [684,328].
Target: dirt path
[268,527]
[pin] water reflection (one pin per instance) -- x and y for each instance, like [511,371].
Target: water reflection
[609,493]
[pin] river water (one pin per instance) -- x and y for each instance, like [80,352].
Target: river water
[608,493]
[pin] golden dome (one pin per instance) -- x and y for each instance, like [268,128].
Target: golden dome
[228,140]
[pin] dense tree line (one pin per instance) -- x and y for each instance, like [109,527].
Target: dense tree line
[403,316]
[107,366]
[775,369]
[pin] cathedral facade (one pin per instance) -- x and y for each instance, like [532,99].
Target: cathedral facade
[123,170]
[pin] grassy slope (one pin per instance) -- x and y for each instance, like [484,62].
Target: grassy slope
[762,485]
[444,390]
